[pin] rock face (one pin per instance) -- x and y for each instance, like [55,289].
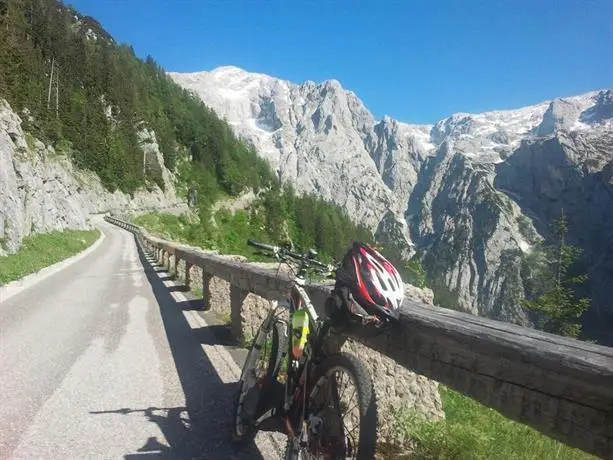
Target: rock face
[573,172]
[319,137]
[41,191]
[154,159]
[470,236]
[465,189]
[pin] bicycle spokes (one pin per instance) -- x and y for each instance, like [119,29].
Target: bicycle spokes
[335,421]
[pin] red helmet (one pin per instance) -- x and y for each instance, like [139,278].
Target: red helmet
[374,282]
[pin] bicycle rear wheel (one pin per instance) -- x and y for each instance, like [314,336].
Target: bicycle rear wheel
[342,421]
[258,389]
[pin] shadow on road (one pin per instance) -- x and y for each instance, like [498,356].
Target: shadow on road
[206,430]
[171,423]
[178,288]
[215,334]
[187,305]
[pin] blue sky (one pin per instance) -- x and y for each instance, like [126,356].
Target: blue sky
[415,60]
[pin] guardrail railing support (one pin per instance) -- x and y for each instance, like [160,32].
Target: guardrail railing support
[188,275]
[173,261]
[206,290]
[237,296]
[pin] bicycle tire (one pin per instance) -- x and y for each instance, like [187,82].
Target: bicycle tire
[367,438]
[278,349]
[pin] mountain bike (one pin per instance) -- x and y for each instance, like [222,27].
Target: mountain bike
[289,378]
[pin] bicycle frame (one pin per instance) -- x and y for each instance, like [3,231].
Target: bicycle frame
[301,409]
[297,370]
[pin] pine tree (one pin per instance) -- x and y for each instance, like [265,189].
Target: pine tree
[554,300]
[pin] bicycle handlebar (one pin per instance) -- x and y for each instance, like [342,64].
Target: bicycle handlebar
[286,252]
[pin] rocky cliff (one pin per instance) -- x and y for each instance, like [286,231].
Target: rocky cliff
[472,191]
[41,191]
[316,136]
[572,171]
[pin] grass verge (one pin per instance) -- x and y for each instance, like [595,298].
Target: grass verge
[44,249]
[473,431]
[229,236]
[165,226]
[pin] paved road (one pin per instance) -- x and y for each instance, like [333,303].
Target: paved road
[102,360]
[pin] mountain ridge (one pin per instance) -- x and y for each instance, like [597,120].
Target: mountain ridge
[429,188]
[236,69]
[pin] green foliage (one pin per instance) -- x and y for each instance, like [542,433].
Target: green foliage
[106,94]
[308,221]
[550,283]
[561,309]
[41,250]
[29,141]
[415,273]
[166,225]
[473,431]
[277,216]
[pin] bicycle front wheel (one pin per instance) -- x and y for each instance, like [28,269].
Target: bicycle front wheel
[258,389]
[342,413]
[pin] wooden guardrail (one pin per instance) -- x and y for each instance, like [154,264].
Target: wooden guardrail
[562,387]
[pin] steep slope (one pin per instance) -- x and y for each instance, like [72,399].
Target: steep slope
[90,127]
[464,214]
[469,234]
[572,171]
[99,100]
[552,157]
[113,132]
